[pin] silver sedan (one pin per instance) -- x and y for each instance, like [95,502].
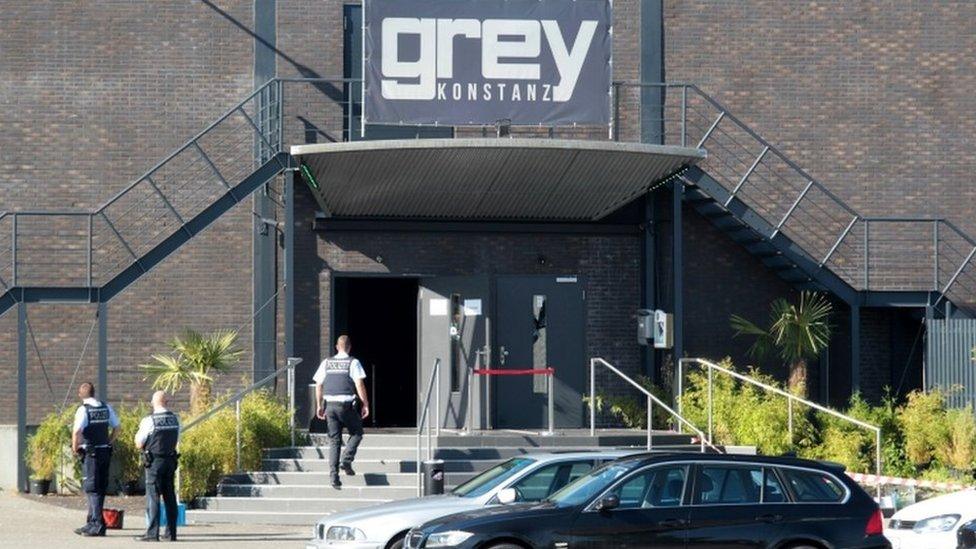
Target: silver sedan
[531,477]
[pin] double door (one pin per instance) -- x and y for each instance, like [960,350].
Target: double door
[503,323]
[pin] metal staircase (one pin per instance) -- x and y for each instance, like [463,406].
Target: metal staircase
[90,256]
[794,224]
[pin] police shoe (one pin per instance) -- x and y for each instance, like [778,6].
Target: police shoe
[336,483]
[145,538]
[347,469]
[93,533]
[81,530]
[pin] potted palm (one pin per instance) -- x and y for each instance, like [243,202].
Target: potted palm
[193,360]
[45,450]
[125,453]
[797,333]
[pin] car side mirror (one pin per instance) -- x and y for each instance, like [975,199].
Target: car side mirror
[608,503]
[507,495]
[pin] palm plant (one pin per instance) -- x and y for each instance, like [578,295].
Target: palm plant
[194,359]
[797,332]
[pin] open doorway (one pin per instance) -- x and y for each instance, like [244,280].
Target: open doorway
[380,316]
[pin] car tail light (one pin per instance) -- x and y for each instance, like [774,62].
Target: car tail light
[875,525]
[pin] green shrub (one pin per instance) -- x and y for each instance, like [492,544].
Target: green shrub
[124,451]
[923,420]
[209,450]
[46,445]
[958,447]
[632,411]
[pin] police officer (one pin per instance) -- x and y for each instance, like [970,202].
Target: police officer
[94,431]
[157,437]
[338,381]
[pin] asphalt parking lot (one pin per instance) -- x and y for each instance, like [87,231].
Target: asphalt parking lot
[27,522]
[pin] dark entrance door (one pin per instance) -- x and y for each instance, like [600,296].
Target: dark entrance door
[380,317]
[453,327]
[540,324]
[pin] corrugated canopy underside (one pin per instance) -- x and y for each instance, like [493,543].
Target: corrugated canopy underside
[487,179]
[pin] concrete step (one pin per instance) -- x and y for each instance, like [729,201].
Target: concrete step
[372,466]
[322,478]
[476,453]
[253,517]
[348,491]
[574,438]
[320,505]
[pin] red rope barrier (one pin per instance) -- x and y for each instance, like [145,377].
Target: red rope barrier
[489,372]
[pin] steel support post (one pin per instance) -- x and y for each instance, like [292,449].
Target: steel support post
[288,264]
[103,349]
[855,348]
[21,395]
[652,70]
[650,423]
[678,189]
[648,275]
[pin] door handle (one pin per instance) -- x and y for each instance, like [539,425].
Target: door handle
[769,518]
[672,523]
[503,353]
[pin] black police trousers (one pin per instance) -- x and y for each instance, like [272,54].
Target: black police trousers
[95,484]
[337,416]
[161,482]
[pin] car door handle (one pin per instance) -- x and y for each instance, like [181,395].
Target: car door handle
[672,523]
[769,518]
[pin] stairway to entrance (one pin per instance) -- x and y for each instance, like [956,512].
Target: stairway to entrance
[292,486]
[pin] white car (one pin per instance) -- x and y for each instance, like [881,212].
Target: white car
[933,523]
[532,477]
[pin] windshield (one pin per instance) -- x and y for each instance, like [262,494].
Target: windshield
[487,481]
[582,489]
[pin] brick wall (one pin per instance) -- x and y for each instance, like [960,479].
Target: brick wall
[92,94]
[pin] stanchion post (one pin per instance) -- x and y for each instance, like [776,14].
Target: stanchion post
[681,362]
[650,423]
[711,407]
[592,397]
[237,412]
[552,407]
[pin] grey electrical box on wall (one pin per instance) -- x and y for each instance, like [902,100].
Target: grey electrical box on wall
[645,327]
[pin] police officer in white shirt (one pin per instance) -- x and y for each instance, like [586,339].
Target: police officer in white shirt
[94,431]
[157,437]
[338,381]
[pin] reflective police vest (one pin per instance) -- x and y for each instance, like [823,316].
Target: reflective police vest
[337,381]
[95,434]
[165,434]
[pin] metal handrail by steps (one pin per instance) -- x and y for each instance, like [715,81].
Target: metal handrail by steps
[790,399]
[703,441]
[423,420]
[288,369]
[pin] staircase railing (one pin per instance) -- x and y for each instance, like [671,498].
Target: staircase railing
[791,401]
[424,421]
[86,249]
[869,253]
[703,440]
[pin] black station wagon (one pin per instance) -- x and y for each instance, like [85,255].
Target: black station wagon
[677,501]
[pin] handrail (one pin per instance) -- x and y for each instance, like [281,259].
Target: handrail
[651,400]
[790,398]
[236,401]
[423,420]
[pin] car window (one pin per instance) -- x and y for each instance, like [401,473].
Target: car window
[813,486]
[539,484]
[654,487]
[582,489]
[729,484]
[764,480]
[488,480]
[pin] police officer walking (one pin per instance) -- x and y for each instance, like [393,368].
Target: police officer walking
[157,437]
[338,381]
[94,431]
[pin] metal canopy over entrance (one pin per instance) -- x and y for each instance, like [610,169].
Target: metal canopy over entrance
[487,179]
